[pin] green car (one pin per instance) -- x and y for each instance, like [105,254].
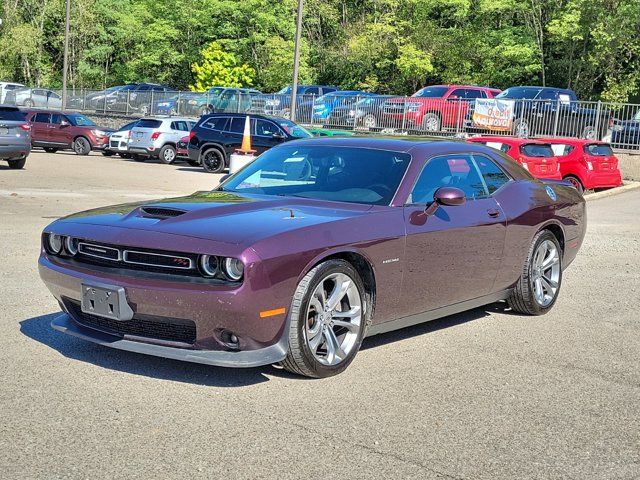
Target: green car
[325,132]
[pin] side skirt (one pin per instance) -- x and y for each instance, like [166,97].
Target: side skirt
[403,322]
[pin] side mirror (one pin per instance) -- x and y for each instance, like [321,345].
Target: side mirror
[449,196]
[64,123]
[278,136]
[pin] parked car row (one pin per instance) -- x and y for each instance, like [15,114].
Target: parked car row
[586,164]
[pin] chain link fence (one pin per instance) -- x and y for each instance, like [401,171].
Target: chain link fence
[618,124]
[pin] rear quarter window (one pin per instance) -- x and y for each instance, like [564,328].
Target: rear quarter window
[215,123]
[535,150]
[148,123]
[12,114]
[598,150]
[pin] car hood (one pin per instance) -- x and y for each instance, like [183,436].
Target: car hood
[220,216]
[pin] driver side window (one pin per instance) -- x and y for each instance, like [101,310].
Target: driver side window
[457,171]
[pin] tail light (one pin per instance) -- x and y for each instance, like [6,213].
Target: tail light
[155,135]
[610,122]
[191,135]
[26,127]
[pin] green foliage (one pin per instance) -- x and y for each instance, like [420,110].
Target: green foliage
[387,46]
[219,68]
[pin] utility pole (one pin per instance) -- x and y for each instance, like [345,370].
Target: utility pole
[65,61]
[296,62]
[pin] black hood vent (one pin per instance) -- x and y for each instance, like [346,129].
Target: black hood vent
[161,212]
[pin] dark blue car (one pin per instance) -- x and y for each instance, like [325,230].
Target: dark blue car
[325,104]
[626,133]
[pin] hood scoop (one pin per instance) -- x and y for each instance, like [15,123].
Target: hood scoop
[161,212]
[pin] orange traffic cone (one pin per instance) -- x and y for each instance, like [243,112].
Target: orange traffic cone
[245,148]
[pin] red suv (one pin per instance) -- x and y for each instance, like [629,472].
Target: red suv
[586,164]
[535,156]
[433,108]
[55,130]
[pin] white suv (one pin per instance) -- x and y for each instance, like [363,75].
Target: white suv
[157,137]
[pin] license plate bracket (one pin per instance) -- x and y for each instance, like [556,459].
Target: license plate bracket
[105,301]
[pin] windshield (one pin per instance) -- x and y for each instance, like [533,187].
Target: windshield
[294,129]
[286,89]
[431,92]
[215,90]
[598,149]
[80,120]
[536,150]
[341,174]
[637,115]
[519,93]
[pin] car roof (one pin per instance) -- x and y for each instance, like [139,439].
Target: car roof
[168,118]
[573,141]
[423,145]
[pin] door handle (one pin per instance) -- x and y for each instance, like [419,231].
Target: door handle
[493,212]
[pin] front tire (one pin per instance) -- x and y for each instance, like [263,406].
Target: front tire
[17,164]
[50,149]
[328,319]
[521,128]
[81,146]
[575,182]
[431,122]
[538,287]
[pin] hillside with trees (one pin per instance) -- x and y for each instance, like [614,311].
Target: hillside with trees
[386,46]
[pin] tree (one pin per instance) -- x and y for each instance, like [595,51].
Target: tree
[219,68]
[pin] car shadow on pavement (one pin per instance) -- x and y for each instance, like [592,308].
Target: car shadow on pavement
[39,329]
[434,325]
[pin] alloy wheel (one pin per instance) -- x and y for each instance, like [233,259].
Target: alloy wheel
[333,319]
[169,155]
[369,121]
[546,273]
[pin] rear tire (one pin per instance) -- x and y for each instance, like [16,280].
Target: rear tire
[167,154]
[369,121]
[318,346]
[539,285]
[212,160]
[50,149]
[17,164]
[81,146]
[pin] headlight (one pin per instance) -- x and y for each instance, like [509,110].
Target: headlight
[71,245]
[99,133]
[192,102]
[233,269]
[209,265]
[589,166]
[55,242]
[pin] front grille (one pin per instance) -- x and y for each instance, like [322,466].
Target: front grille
[146,326]
[137,258]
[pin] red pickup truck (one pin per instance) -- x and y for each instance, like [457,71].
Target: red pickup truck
[433,108]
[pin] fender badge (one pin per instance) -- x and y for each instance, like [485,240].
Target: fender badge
[551,193]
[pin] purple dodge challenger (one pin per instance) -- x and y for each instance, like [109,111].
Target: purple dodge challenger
[312,247]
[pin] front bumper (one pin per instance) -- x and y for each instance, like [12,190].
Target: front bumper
[211,309]
[243,359]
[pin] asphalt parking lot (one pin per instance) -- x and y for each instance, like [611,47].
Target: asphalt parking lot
[481,395]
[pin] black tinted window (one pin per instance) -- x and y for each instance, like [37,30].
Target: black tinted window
[237,125]
[448,171]
[148,123]
[475,94]
[180,125]
[598,149]
[56,118]
[11,114]
[535,150]
[42,118]
[215,123]
[265,128]
[493,175]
